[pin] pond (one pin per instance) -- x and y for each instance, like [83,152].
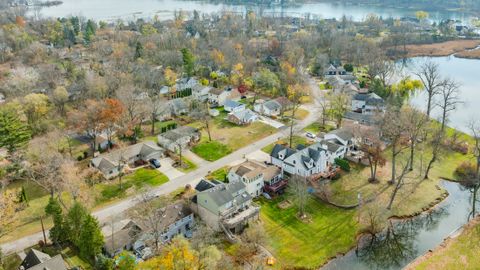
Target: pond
[406,240]
[464,71]
[112,10]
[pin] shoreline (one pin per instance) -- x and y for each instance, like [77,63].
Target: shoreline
[447,241]
[461,48]
[431,206]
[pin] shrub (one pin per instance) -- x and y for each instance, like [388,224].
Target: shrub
[343,164]
[466,171]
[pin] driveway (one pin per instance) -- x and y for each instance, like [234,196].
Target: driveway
[168,169]
[271,122]
[179,179]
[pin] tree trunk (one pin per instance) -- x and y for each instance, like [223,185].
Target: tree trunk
[207,126]
[394,156]
[412,153]
[153,124]
[429,104]
[434,158]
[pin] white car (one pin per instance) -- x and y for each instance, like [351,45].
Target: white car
[310,135]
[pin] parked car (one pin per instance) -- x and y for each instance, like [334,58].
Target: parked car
[310,135]
[155,163]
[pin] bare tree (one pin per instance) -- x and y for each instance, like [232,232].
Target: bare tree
[429,74]
[150,214]
[436,143]
[449,92]
[399,184]
[392,127]
[415,122]
[298,188]
[155,106]
[474,127]
[199,111]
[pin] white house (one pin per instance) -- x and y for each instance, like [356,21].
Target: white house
[367,103]
[201,92]
[243,117]
[233,106]
[268,108]
[217,97]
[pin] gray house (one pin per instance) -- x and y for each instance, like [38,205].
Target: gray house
[177,219]
[226,207]
[37,260]
[181,137]
[110,164]
[178,106]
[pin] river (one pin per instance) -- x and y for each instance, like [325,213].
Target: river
[464,71]
[406,240]
[112,10]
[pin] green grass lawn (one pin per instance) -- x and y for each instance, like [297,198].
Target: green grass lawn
[220,174]
[296,141]
[459,253]
[211,151]
[300,114]
[307,244]
[317,127]
[138,179]
[187,165]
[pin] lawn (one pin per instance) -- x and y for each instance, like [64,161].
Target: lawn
[219,174]
[137,180]
[211,151]
[307,244]
[458,253]
[296,141]
[187,165]
[228,137]
[300,114]
[415,196]
[317,127]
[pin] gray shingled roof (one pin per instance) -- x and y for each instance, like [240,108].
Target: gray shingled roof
[225,193]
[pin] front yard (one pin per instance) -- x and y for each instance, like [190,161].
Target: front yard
[307,244]
[27,221]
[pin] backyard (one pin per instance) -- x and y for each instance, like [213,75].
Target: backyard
[228,137]
[307,243]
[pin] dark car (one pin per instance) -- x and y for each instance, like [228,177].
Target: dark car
[155,163]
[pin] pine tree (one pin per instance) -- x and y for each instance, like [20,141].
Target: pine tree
[74,221]
[91,241]
[53,209]
[138,50]
[188,62]
[13,132]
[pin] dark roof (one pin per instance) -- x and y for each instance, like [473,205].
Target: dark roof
[300,147]
[313,154]
[38,260]
[204,185]
[332,147]
[360,117]
[343,134]
[278,147]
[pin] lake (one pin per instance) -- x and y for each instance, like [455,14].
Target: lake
[464,71]
[406,240]
[112,10]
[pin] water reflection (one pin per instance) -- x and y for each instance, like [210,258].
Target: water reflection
[405,240]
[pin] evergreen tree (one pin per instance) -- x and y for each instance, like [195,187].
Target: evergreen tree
[125,261]
[104,263]
[91,241]
[74,221]
[53,209]
[75,24]
[138,50]
[188,62]
[13,132]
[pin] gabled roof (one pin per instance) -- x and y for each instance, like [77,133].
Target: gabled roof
[272,105]
[215,91]
[281,148]
[37,260]
[224,193]
[232,103]
[204,185]
[342,133]
[244,115]
[55,263]
[369,98]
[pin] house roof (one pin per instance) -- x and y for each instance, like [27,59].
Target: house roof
[244,115]
[179,104]
[332,146]
[361,117]
[216,91]
[175,134]
[281,148]
[108,161]
[38,260]
[342,133]
[284,102]
[369,98]
[248,169]
[303,156]
[232,103]
[272,105]
[224,193]
[204,185]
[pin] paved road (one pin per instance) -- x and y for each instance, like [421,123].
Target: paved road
[105,214]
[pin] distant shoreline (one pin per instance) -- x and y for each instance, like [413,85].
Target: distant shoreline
[461,48]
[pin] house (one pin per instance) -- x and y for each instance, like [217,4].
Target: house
[341,136]
[244,117]
[177,219]
[111,164]
[285,103]
[200,92]
[256,176]
[178,106]
[37,260]
[367,103]
[233,106]
[102,142]
[217,97]
[181,137]
[316,159]
[184,84]
[269,108]
[363,119]
[333,71]
[119,236]
[226,207]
